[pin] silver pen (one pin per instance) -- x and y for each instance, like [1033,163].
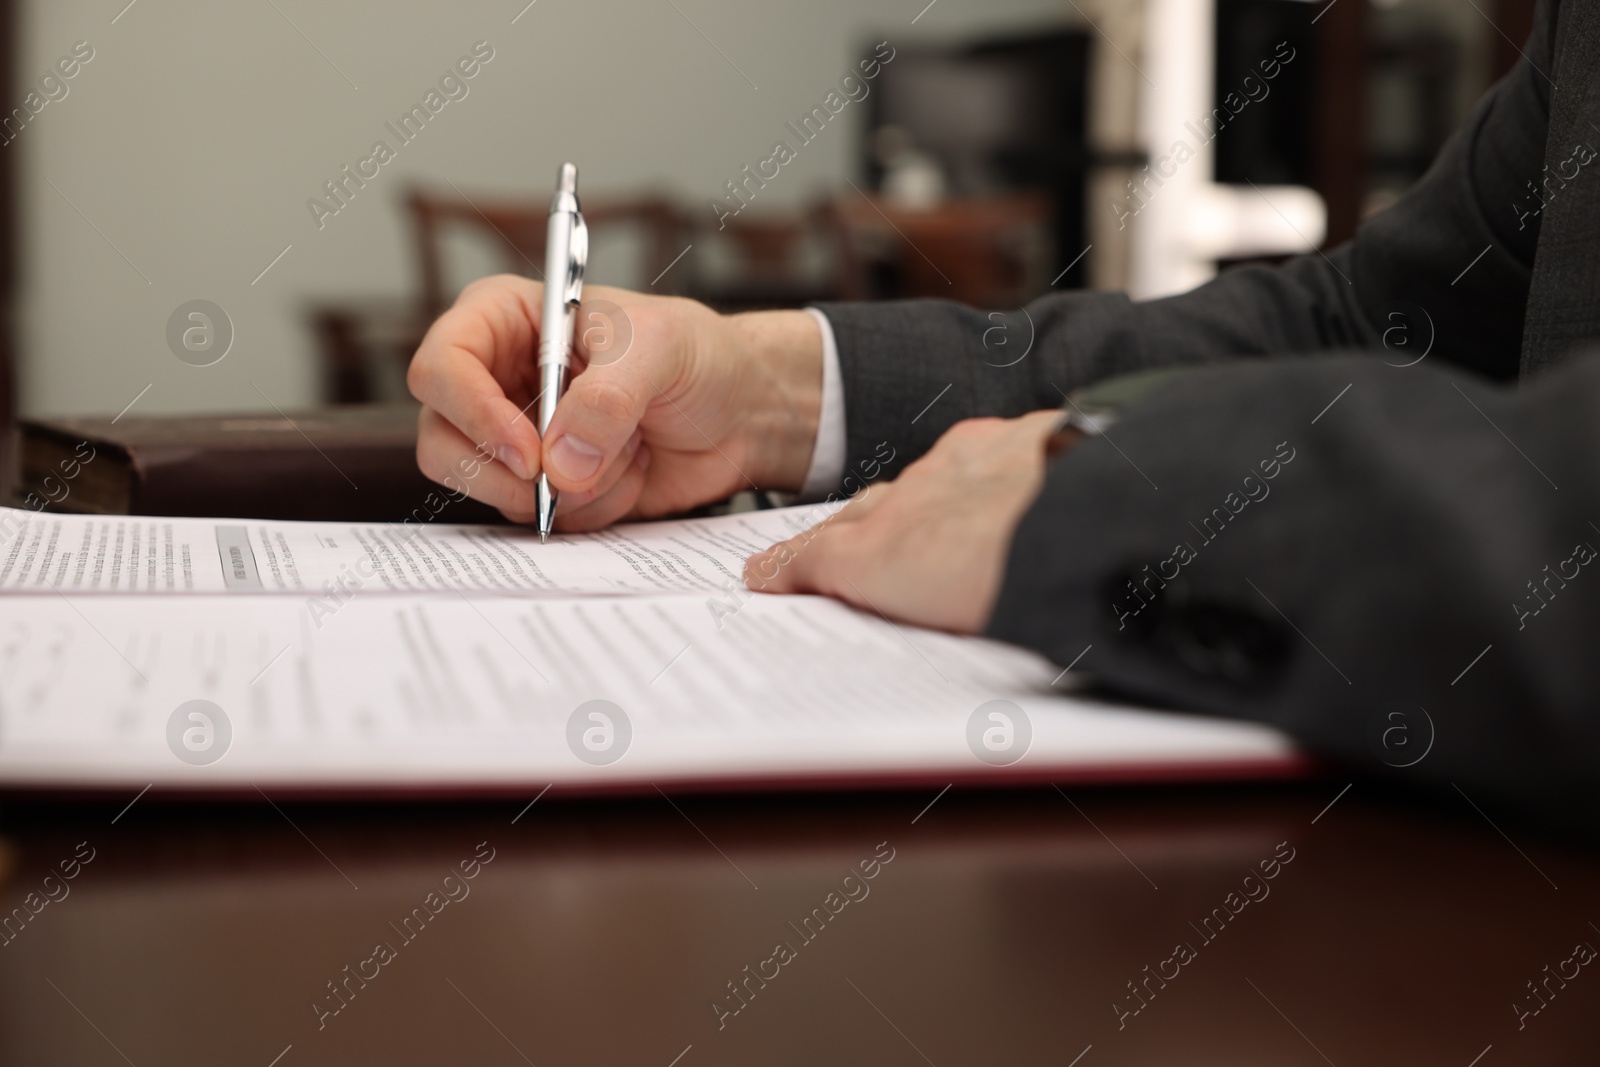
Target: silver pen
[566,253]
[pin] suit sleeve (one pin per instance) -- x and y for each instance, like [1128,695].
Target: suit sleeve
[1454,257]
[1389,562]
[1397,566]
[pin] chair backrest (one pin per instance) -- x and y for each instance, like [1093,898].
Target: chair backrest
[517,229]
[771,259]
[767,244]
[990,252]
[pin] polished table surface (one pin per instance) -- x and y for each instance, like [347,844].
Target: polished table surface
[1006,927]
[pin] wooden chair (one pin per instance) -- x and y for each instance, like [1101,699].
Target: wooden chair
[767,260]
[365,348]
[987,252]
[366,345]
[516,228]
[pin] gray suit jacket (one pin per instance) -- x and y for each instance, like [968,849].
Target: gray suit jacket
[1387,556]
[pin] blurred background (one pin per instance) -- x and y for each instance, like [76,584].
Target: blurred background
[996,151]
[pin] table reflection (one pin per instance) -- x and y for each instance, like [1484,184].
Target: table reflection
[1177,925]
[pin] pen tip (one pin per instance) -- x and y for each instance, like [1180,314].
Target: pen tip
[545,498]
[567,178]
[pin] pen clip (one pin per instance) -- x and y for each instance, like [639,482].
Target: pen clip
[577,259]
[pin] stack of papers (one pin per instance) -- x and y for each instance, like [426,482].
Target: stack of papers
[228,655]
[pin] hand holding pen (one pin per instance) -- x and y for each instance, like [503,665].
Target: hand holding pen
[661,405]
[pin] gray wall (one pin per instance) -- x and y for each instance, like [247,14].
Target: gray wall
[192,140]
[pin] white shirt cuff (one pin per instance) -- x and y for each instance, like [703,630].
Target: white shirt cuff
[828,453]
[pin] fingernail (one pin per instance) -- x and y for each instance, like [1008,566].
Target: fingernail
[513,459]
[574,458]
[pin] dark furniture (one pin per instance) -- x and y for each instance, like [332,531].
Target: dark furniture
[1312,129]
[989,252]
[1002,116]
[9,274]
[365,347]
[765,259]
[1007,929]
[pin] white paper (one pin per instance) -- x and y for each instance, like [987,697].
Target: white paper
[407,691]
[76,554]
[352,655]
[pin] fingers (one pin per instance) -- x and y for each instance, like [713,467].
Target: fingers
[570,502]
[476,358]
[811,561]
[817,560]
[600,411]
[1039,425]
[446,456]
[613,504]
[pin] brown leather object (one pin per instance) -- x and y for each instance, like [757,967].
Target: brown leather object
[354,463]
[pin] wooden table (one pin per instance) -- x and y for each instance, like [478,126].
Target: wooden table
[1006,929]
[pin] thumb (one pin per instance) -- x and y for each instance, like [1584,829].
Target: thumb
[593,423]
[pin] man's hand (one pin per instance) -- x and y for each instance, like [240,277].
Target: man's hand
[695,407]
[930,547]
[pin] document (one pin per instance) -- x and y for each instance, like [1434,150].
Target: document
[474,659]
[44,553]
